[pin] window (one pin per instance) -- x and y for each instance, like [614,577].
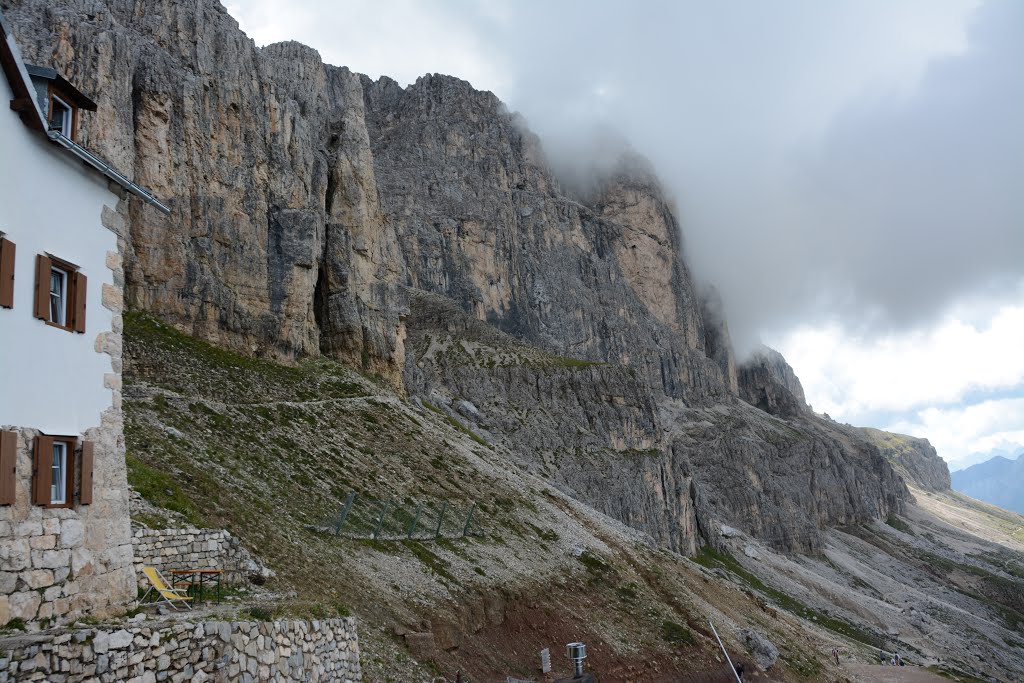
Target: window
[53,470]
[60,293]
[58,473]
[61,117]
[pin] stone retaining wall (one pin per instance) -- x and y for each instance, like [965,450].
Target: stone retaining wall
[220,651]
[192,548]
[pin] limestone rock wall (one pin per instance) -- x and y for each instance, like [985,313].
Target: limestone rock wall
[482,220]
[325,650]
[767,381]
[663,466]
[192,548]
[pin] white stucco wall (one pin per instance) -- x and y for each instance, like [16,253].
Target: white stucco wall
[53,380]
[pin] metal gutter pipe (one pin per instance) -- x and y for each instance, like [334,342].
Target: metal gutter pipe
[107,170]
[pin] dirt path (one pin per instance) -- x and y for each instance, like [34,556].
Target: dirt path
[868,673]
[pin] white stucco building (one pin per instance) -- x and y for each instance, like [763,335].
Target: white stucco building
[65,544]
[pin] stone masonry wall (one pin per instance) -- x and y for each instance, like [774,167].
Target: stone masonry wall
[57,564]
[207,651]
[192,548]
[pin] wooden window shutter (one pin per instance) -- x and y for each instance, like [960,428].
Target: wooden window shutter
[8,460]
[43,268]
[6,273]
[85,496]
[42,461]
[80,283]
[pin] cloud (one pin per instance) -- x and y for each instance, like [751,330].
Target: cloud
[958,433]
[866,379]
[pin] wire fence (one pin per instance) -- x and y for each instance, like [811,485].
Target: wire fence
[391,519]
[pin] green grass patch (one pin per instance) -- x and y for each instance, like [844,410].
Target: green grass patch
[711,558]
[677,634]
[566,362]
[429,559]
[165,357]
[455,423]
[161,489]
[898,524]
[594,563]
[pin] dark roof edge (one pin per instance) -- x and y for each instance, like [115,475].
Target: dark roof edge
[81,100]
[14,69]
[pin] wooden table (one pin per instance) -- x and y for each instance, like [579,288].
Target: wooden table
[197,578]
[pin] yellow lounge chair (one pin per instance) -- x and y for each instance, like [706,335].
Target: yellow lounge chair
[167,594]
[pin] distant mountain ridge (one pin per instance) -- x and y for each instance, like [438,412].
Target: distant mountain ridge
[999,481]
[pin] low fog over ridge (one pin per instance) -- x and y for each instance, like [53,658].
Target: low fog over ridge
[851,161]
[902,202]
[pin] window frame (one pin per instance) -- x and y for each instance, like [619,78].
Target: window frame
[70,271]
[67,128]
[62,470]
[70,444]
[62,296]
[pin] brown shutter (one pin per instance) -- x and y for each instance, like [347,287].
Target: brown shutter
[85,497]
[43,268]
[42,461]
[8,458]
[6,273]
[80,282]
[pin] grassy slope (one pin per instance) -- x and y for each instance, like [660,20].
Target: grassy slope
[265,450]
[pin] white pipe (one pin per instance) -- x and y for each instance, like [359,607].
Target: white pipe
[106,169]
[738,679]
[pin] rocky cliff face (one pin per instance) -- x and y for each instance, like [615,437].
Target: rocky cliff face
[767,381]
[915,459]
[404,229]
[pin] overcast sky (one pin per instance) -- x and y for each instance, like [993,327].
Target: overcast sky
[849,174]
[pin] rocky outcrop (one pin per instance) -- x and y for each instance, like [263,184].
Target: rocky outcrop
[658,465]
[915,459]
[308,202]
[767,381]
[482,220]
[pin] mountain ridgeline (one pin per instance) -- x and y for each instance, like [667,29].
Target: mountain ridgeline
[419,233]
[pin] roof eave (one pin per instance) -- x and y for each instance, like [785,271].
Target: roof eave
[24,101]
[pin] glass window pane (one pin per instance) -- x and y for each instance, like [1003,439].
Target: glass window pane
[58,471]
[57,288]
[60,117]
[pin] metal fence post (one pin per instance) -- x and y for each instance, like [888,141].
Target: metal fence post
[469,519]
[415,521]
[343,515]
[727,658]
[383,515]
[440,520]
